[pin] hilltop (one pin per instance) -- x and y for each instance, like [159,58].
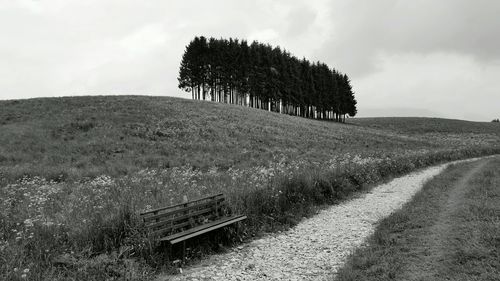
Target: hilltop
[87,136]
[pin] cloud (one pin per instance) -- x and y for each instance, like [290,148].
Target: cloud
[301,18]
[266,35]
[452,85]
[146,39]
[362,31]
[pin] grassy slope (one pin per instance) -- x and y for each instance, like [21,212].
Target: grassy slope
[456,132]
[450,231]
[418,125]
[113,135]
[88,136]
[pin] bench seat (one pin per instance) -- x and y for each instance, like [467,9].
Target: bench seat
[204,228]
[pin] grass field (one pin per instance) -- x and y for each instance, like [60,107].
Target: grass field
[450,231]
[423,125]
[90,136]
[75,171]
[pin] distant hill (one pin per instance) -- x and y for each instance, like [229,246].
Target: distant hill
[87,136]
[424,125]
[396,112]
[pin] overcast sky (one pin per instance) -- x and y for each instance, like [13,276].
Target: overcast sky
[405,58]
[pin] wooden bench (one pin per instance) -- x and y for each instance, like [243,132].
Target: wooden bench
[183,221]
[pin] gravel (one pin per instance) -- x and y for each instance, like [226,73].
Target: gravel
[316,247]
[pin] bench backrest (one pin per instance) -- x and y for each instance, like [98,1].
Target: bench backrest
[172,219]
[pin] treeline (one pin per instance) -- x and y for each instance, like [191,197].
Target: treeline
[260,76]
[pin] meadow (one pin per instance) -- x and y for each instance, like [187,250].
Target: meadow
[74,173]
[86,137]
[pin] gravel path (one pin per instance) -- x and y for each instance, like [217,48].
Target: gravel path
[316,247]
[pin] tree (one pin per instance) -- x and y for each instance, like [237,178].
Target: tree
[260,76]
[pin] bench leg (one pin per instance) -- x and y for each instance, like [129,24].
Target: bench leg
[183,252]
[170,252]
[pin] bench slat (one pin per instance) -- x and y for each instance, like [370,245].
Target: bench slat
[171,213]
[180,205]
[195,231]
[180,239]
[170,228]
[162,231]
[180,218]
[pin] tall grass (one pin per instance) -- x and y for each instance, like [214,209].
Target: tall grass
[90,230]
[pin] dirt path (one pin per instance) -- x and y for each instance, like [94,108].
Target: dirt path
[437,242]
[316,247]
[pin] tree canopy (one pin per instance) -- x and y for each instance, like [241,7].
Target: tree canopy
[265,77]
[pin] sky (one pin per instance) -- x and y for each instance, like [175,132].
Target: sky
[405,58]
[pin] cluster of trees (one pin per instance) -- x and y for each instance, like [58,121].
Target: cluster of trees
[260,76]
[496,120]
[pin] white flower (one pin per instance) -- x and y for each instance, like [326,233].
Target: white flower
[28,222]
[48,223]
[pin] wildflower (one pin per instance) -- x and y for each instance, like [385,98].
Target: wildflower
[15,269]
[26,270]
[28,222]
[48,223]
[24,276]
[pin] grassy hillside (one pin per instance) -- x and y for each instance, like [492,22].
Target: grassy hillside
[423,125]
[88,136]
[75,171]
